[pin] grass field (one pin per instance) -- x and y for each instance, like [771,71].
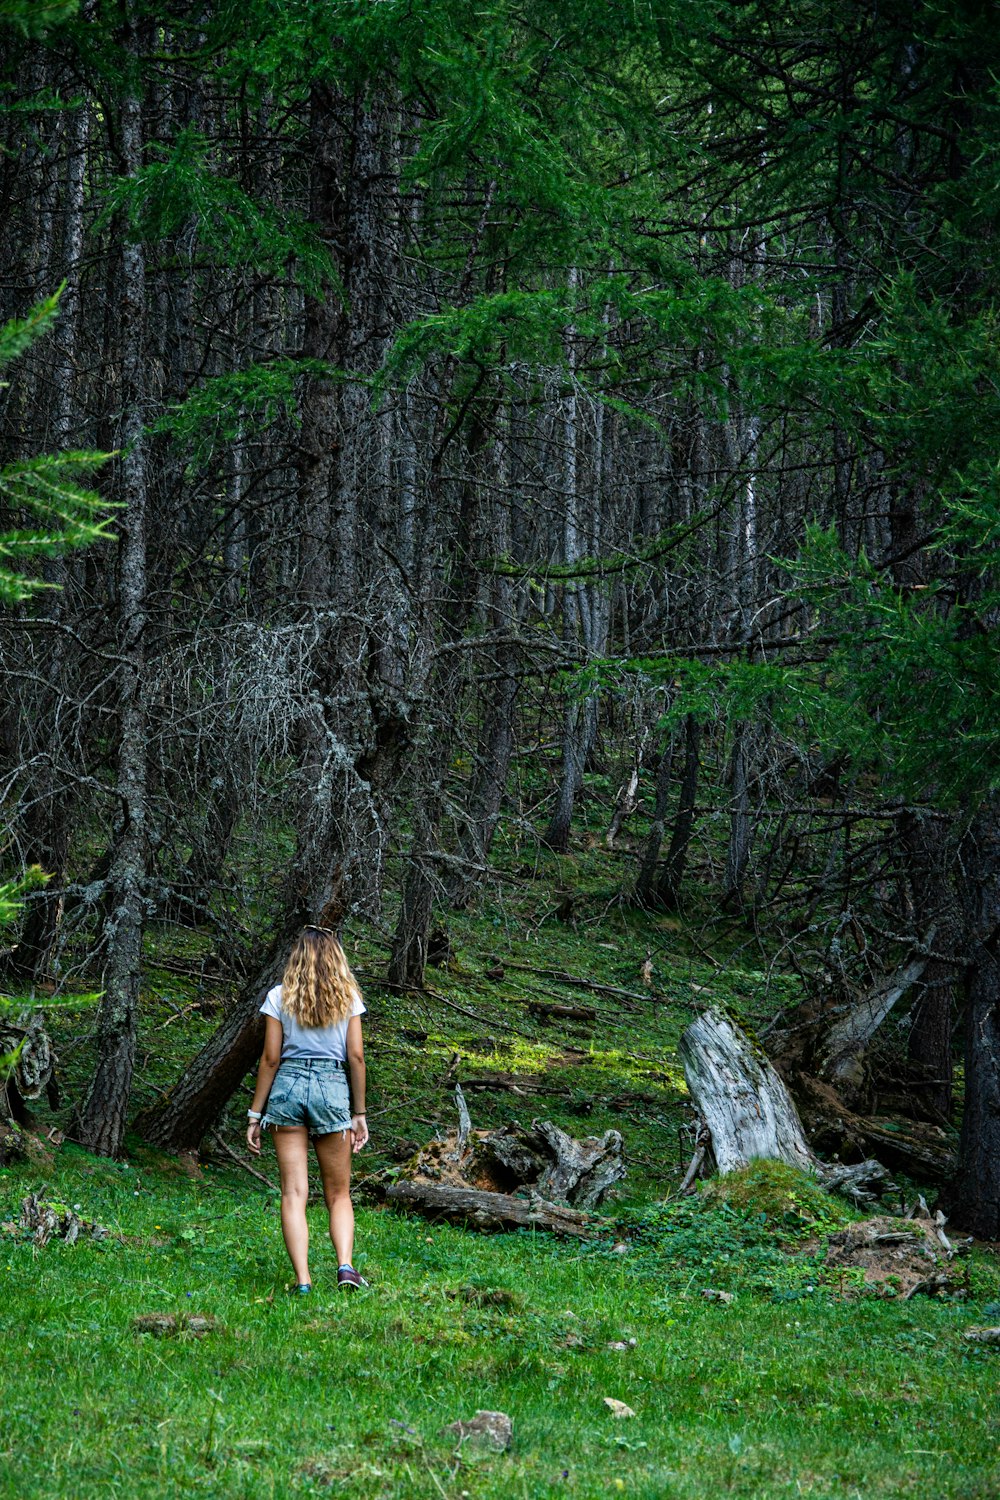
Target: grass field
[788,1389]
[779,1392]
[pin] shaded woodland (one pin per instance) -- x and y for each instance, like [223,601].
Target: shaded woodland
[505,412]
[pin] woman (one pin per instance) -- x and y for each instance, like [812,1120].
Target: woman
[312,1041]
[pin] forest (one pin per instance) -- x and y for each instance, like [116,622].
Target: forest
[517,485]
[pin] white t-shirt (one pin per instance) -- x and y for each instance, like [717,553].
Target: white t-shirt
[309,1041]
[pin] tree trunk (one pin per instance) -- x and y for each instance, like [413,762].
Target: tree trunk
[576,746]
[323,341]
[33,1072]
[823,1040]
[645,885]
[182,1118]
[841,1051]
[932,1013]
[409,946]
[975,1203]
[496,746]
[498,734]
[102,1117]
[669,886]
[740,821]
[576,621]
[627,800]
[47,832]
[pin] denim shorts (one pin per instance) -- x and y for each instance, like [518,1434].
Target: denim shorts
[310,1091]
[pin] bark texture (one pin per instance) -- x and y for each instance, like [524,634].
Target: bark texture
[746,1107]
[487,1211]
[975,1204]
[104,1114]
[184,1116]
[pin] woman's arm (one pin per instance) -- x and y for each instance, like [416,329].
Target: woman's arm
[269,1060]
[356,1061]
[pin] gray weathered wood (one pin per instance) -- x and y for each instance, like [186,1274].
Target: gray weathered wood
[749,1114]
[863,1182]
[747,1109]
[489,1211]
[464,1123]
[844,1044]
[31,1047]
[579,1172]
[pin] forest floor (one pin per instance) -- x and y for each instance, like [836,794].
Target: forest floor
[795,1382]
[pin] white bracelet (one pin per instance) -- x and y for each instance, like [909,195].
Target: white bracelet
[253,1114]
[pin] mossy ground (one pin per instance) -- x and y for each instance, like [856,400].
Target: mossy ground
[786,1389]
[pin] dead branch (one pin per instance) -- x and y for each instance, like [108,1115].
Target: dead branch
[224,1145]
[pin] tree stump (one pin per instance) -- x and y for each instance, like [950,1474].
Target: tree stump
[29,1071]
[747,1110]
[578,1172]
[748,1113]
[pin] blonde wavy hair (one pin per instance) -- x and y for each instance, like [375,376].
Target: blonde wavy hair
[317,987]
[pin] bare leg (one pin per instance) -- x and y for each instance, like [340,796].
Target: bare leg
[291,1142]
[334,1152]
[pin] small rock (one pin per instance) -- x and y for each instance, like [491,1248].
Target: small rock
[487,1429]
[983,1335]
[618,1408]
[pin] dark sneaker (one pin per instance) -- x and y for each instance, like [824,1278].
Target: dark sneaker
[348,1278]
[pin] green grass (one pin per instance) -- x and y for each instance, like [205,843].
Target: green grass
[788,1389]
[782,1391]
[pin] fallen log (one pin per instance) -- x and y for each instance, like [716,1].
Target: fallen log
[488,1211]
[512,1083]
[923,1151]
[827,1038]
[842,1049]
[542,1158]
[547,1011]
[473,1176]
